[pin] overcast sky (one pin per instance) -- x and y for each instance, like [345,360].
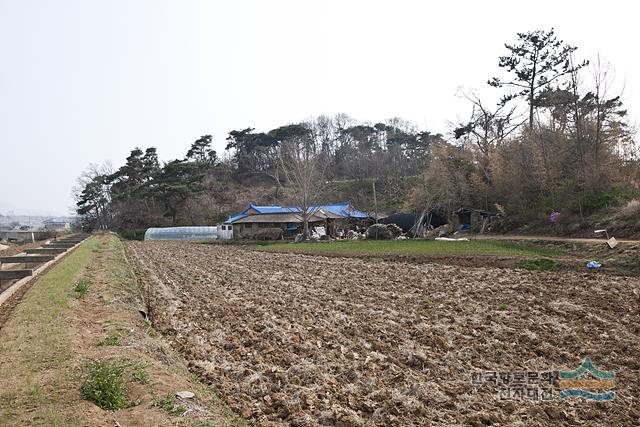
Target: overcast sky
[86,81]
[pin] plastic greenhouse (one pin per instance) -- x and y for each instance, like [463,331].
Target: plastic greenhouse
[181,233]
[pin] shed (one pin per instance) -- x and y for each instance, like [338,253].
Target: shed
[475,219]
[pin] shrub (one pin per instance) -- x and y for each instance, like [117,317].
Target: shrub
[629,211]
[132,234]
[105,385]
[82,288]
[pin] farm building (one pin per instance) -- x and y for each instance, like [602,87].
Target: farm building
[287,221]
[52,224]
[476,220]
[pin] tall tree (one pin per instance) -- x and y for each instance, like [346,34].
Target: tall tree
[178,181]
[201,151]
[536,61]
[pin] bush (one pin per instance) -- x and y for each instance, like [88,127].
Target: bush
[82,288]
[105,385]
[132,234]
[629,211]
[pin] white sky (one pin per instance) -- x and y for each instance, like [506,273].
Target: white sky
[87,81]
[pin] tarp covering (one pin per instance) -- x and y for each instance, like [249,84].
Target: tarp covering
[337,210]
[181,233]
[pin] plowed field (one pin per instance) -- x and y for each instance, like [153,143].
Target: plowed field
[290,339]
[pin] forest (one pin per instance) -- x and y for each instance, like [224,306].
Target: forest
[558,139]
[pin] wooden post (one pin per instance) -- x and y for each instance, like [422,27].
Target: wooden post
[375,203]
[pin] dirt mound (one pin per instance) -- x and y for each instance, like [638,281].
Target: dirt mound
[292,339]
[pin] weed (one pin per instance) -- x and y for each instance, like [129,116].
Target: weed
[540,264]
[82,288]
[9,396]
[427,303]
[168,404]
[140,374]
[110,340]
[502,307]
[205,424]
[105,385]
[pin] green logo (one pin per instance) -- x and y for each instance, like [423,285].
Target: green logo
[587,382]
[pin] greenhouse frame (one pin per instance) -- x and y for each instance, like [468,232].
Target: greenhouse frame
[182,233]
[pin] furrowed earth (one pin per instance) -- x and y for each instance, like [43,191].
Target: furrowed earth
[290,339]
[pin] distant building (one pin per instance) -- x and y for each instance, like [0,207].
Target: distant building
[51,224]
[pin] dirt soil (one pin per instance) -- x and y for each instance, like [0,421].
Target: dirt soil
[16,249]
[291,339]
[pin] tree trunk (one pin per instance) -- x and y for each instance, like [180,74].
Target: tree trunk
[306,227]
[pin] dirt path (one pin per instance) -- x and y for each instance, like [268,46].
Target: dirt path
[295,339]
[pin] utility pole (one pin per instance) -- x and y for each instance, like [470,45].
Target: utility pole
[375,203]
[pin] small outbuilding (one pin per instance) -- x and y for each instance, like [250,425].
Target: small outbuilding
[476,220]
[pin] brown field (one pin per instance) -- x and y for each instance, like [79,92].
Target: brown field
[292,339]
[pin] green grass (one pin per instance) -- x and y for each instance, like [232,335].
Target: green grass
[168,404]
[541,264]
[36,345]
[503,307]
[111,339]
[414,248]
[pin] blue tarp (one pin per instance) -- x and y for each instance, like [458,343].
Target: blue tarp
[345,210]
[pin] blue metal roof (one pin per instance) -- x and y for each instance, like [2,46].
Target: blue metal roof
[344,209]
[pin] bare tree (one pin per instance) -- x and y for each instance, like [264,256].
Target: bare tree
[93,196]
[304,167]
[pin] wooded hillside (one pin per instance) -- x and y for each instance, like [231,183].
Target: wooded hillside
[558,139]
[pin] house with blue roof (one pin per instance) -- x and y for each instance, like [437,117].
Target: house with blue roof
[336,219]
